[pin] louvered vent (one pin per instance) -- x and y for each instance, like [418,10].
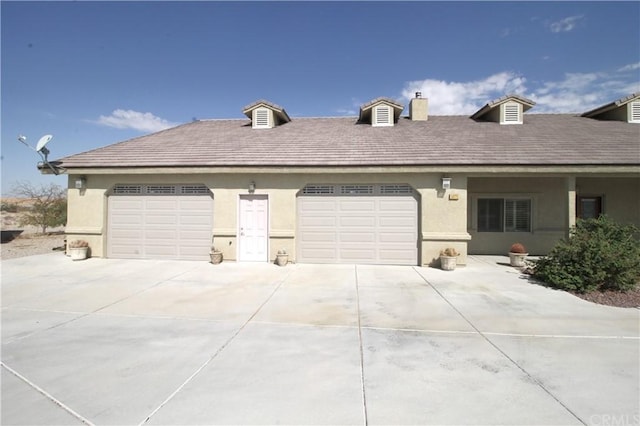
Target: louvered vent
[635,112]
[395,189]
[382,116]
[261,119]
[318,190]
[356,189]
[180,189]
[512,114]
[127,189]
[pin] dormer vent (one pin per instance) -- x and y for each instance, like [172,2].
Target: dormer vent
[635,111]
[511,113]
[625,109]
[509,109]
[382,116]
[380,112]
[265,115]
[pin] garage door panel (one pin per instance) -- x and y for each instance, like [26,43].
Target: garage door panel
[357,221]
[357,237]
[318,237]
[357,255]
[160,226]
[361,204]
[318,221]
[398,222]
[362,228]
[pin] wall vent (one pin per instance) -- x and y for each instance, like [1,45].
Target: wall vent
[635,112]
[512,114]
[261,118]
[382,116]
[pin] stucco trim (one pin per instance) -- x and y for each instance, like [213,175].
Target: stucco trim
[85,230]
[445,236]
[480,170]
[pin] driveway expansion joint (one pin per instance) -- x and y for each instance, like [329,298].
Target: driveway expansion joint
[218,352]
[521,368]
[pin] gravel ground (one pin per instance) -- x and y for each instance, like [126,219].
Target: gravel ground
[31,244]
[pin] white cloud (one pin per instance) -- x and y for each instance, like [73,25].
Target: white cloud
[630,67]
[129,119]
[573,93]
[453,98]
[566,24]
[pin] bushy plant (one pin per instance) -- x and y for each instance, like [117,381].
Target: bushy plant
[449,252]
[518,248]
[78,244]
[599,255]
[8,207]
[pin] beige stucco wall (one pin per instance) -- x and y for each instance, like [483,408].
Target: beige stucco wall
[620,196]
[551,208]
[447,218]
[442,224]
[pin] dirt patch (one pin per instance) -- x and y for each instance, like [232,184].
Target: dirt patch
[32,244]
[629,299]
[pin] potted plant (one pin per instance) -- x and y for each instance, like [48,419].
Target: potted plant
[282,258]
[517,254]
[449,259]
[78,249]
[216,255]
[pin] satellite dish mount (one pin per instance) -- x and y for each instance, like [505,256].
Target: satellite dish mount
[42,150]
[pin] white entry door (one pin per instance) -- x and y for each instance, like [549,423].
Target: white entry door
[254,224]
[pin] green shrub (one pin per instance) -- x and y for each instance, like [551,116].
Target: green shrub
[600,255]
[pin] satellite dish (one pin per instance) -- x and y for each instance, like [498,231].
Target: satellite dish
[43,141]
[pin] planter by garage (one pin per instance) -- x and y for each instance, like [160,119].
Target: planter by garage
[78,249]
[282,258]
[449,259]
[216,257]
[448,263]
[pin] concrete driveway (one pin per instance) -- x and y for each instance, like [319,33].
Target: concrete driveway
[106,341]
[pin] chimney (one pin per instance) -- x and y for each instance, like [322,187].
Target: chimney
[419,108]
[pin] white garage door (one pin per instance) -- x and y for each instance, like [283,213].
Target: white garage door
[160,222]
[366,224]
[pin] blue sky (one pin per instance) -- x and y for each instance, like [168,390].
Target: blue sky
[96,73]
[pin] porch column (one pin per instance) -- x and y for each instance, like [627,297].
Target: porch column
[571,203]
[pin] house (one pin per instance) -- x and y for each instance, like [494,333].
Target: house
[380,188]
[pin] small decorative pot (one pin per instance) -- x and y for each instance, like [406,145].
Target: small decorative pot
[282,259]
[216,257]
[78,253]
[517,259]
[448,263]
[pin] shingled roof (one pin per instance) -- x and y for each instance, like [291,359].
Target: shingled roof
[546,139]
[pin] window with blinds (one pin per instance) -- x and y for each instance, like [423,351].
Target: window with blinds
[504,215]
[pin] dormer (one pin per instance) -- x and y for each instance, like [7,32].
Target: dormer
[625,109]
[265,115]
[509,109]
[380,112]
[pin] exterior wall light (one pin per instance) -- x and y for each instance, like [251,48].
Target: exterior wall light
[252,187]
[81,182]
[446,183]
